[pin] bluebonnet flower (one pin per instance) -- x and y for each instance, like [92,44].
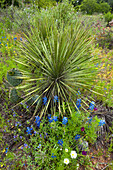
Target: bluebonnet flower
[6,150]
[105,88]
[14,115]
[21,137]
[2,37]
[77,137]
[55,98]
[15,38]
[45,100]
[15,136]
[53,156]
[0,42]
[55,118]
[15,124]
[78,103]
[60,142]
[96,65]
[92,106]
[25,145]
[102,122]
[64,120]
[35,132]
[39,146]
[37,121]
[27,107]
[78,92]
[37,118]
[49,116]
[29,130]
[21,39]
[90,119]
[6,45]
[7,39]
[50,120]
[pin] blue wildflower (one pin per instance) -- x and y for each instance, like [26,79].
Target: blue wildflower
[6,45]
[15,38]
[35,132]
[78,103]
[37,121]
[5,36]
[21,39]
[39,146]
[29,130]
[53,156]
[78,92]
[77,137]
[0,42]
[90,119]
[91,106]
[102,122]
[55,118]
[50,120]
[15,136]
[60,142]
[2,37]
[55,98]
[64,120]
[6,150]
[25,145]
[45,100]
[49,116]
[7,39]
[37,118]
[21,137]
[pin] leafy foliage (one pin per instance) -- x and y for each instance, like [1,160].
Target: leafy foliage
[91,6]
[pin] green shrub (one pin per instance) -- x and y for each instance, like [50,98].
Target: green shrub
[104,7]
[89,6]
[108,17]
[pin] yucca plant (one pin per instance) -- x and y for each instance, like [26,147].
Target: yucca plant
[55,67]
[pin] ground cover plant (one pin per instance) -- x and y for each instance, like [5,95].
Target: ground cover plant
[50,117]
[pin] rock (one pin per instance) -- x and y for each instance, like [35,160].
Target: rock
[111,23]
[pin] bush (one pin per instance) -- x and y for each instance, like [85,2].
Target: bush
[91,6]
[108,17]
[104,7]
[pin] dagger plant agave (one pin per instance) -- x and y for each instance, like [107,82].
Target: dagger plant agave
[55,66]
